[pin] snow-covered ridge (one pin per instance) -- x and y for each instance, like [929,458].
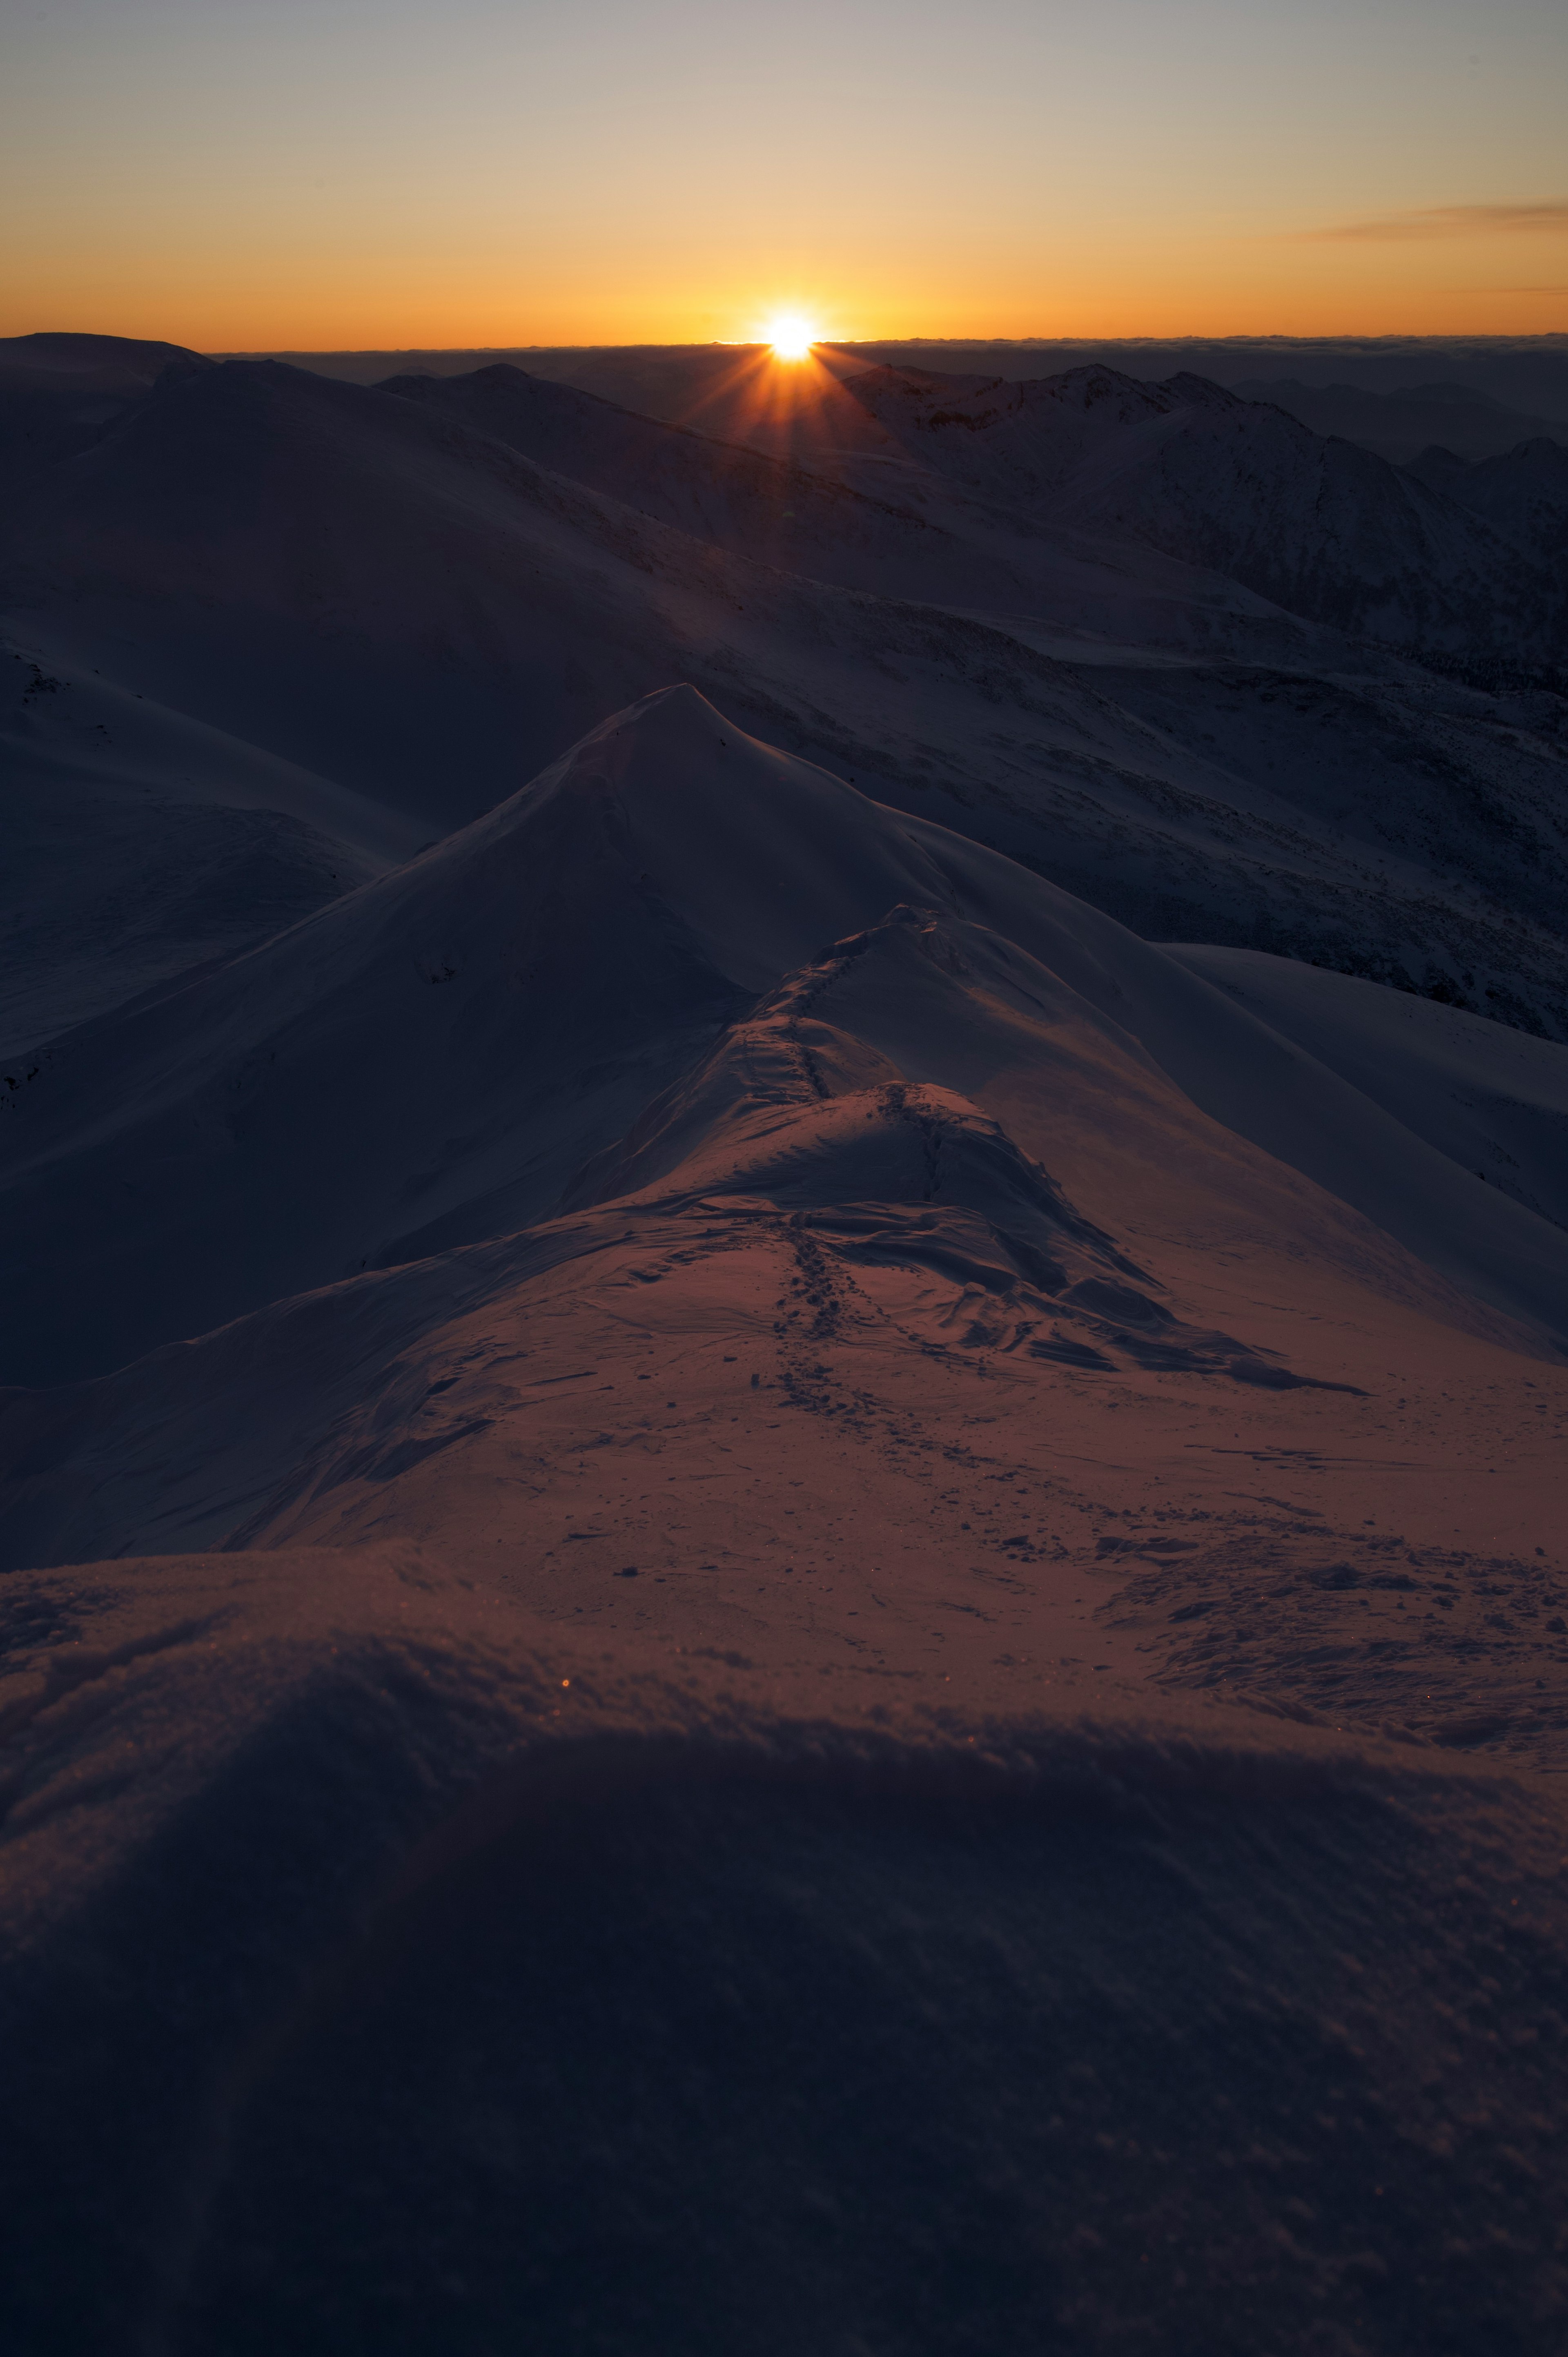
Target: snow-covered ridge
[386,593]
[433,1058]
[783,1359]
[1317,525]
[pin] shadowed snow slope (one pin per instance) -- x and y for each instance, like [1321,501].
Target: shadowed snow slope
[1522,493]
[392,602]
[58,393]
[427,1975]
[1320,527]
[430,1060]
[1494,1101]
[124,362]
[901,530]
[724,493]
[141,843]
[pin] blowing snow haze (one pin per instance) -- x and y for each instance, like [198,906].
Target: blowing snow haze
[927,989]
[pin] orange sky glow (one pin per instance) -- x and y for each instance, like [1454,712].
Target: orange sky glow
[375,172]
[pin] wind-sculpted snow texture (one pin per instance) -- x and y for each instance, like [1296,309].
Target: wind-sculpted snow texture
[486,1982]
[781,1554]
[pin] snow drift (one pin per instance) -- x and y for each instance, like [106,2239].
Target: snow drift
[424,1971]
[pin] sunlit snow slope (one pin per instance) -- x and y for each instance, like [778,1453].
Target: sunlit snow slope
[430,1060]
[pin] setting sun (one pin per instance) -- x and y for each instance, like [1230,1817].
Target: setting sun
[790,336]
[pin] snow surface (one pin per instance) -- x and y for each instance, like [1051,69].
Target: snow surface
[1315,524]
[782,1537]
[381,596]
[429,1060]
[1495,1101]
[465,1971]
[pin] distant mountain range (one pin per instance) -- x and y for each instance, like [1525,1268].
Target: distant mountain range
[1526,376]
[1152,639]
[1400,425]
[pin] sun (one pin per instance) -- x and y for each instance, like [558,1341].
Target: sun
[791,336]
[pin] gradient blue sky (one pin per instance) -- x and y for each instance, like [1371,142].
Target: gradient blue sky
[386,172]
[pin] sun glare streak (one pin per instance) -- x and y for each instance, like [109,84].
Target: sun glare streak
[790,336]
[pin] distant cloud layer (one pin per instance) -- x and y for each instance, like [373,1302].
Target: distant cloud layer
[1452,220]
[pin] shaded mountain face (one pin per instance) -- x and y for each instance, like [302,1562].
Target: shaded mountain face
[732,393]
[359,589]
[1400,425]
[1521,493]
[397,617]
[1495,1101]
[730,495]
[1319,527]
[87,364]
[142,843]
[58,393]
[856,511]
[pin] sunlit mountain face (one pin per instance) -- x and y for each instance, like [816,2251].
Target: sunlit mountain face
[781,1413]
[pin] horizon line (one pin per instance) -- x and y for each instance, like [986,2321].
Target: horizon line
[870,343]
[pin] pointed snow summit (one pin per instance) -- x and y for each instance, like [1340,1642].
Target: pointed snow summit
[432,1060]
